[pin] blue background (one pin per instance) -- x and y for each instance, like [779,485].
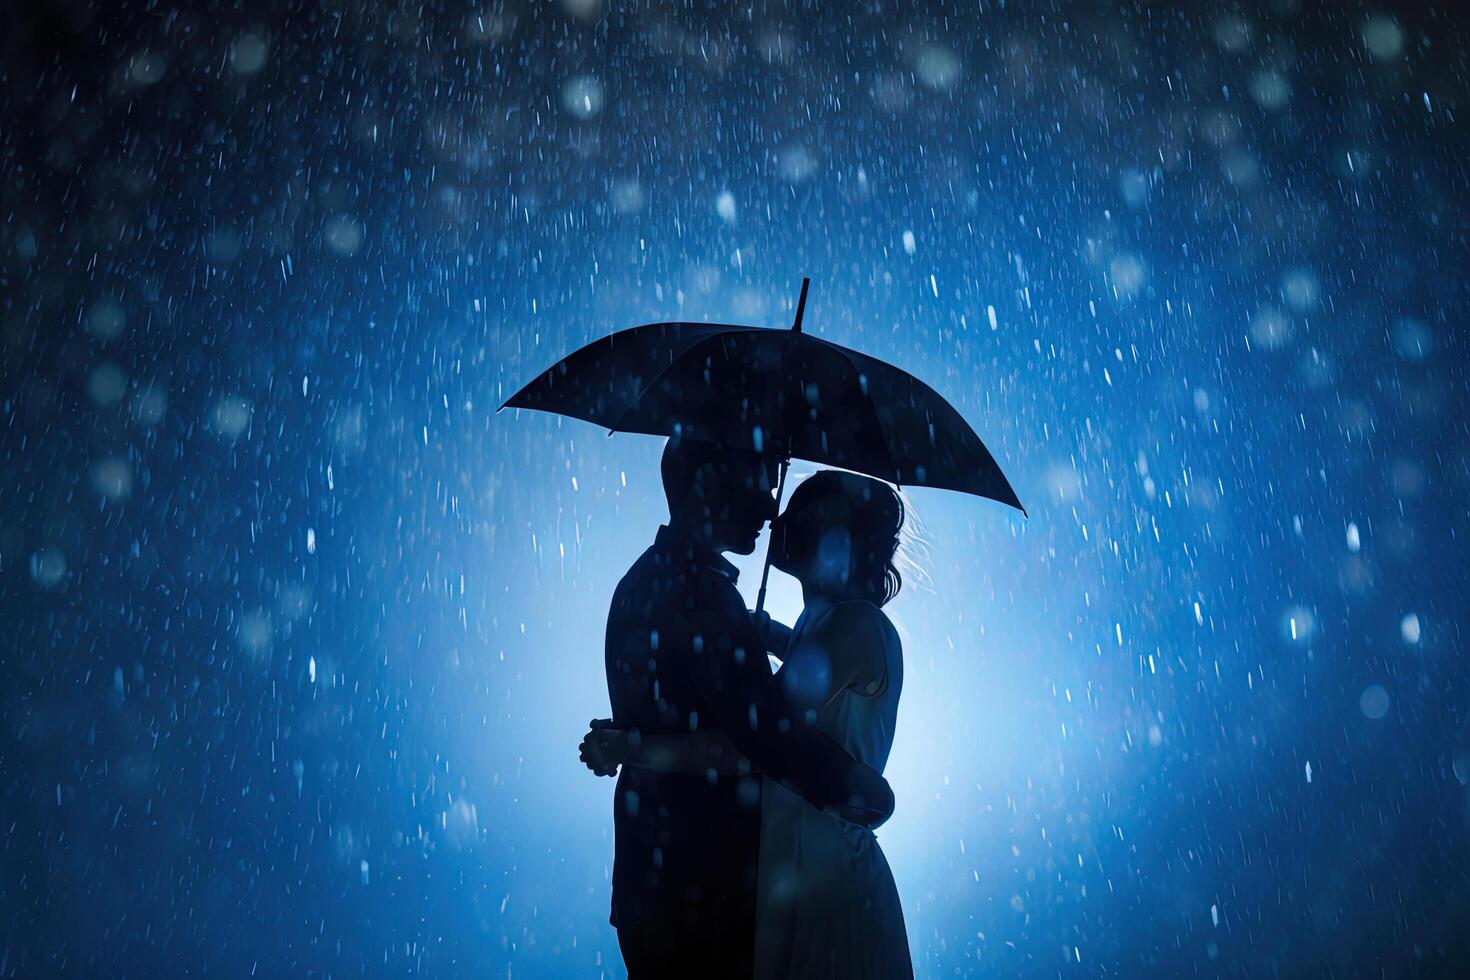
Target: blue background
[300,635]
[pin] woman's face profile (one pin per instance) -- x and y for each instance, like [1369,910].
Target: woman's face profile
[811,540]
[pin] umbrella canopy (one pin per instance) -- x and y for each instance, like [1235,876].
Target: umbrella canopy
[776,391]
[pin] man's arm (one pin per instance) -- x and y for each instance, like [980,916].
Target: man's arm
[745,703]
[605,748]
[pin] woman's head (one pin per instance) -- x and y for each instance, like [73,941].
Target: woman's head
[839,535]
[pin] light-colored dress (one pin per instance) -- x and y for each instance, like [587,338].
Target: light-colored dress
[826,902]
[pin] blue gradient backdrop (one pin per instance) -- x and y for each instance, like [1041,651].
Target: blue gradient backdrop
[300,635]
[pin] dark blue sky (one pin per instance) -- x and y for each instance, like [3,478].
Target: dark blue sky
[301,635]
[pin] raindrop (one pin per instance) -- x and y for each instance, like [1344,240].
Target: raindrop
[796,164]
[461,824]
[343,234]
[1383,37]
[749,304]
[146,68]
[1128,275]
[1133,186]
[222,246]
[48,567]
[295,601]
[149,404]
[775,45]
[1353,162]
[1373,702]
[26,243]
[349,432]
[725,207]
[112,477]
[1410,629]
[1300,289]
[581,96]
[106,384]
[1411,339]
[106,319]
[583,9]
[626,196]
[1233,33]
[938,67]
[255,632]
[1271,329]
[892,92]
[248,53]
[489,28]
[1408,478]
[908,243]
[1063,482]
[1270,88]
[1241,169]
[1317,368]
[1299,625]
[231,416]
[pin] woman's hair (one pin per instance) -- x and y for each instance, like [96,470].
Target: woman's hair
[875,521]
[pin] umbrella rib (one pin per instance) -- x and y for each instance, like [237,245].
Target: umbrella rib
[872,407]
[999,474]
[658,375]
[882,431]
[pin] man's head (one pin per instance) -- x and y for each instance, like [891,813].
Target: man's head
[721,497]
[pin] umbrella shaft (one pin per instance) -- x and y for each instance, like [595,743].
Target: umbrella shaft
[760,599]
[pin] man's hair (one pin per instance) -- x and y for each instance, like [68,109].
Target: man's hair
[682,460]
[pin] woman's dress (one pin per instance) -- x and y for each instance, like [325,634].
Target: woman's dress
[826,901]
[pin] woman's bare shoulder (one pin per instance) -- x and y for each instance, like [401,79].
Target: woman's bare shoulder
[859,617]
[858,634]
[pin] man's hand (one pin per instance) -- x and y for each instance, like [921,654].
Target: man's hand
[776,636]
[603,748]
[871,802]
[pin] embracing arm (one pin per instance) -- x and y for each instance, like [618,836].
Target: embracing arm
[745,703]
[604,748]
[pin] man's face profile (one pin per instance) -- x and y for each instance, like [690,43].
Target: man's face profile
[737,497]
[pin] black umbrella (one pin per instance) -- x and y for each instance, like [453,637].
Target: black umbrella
[776,391]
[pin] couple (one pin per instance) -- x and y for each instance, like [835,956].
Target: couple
[744,808]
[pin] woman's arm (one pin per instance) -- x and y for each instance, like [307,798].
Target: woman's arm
[604,748]
[845,652]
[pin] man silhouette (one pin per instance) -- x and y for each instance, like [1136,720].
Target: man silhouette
[682,655]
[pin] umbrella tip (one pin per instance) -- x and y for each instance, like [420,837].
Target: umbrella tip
[806,281]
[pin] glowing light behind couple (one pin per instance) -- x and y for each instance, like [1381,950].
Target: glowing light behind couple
[1022,712]
[305,634]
